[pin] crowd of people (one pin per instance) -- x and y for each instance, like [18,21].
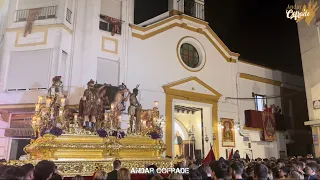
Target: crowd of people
[235,169]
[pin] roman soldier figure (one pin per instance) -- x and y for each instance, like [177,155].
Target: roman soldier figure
[90,104]
[134,111]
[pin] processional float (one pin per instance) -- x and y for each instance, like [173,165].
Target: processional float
[84,138]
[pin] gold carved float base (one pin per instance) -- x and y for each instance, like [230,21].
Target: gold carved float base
[70,168]
[85,154]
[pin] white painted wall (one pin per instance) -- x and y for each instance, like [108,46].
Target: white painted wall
[151,63]
[310,53]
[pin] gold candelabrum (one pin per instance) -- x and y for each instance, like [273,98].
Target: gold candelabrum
[49,114]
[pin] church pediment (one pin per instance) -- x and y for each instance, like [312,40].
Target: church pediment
[192,85]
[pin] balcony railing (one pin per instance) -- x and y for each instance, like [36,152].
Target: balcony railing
[192,8]
[68,17]
[110,24]
[45,13]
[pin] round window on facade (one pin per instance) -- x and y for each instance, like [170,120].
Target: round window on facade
[189,55]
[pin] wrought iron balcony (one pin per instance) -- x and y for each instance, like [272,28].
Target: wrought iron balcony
[191,8]
[45,13]
[110,24]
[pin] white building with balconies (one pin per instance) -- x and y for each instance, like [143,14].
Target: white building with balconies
[176,58]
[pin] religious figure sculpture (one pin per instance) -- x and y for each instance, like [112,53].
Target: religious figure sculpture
[102,101]
[117,106]
[135,111]
[227,132]
[89,103]
[56,87]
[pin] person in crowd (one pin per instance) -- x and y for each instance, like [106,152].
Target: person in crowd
[123,174]
[113,174]
[157,177]
[208,171]
[195,175]
[236,155]
[100,175]
[16,172]
[297,170]
[312,170]
[191,163]
[260,172]
[283,173]
[203,173]
[78,177]
[56,176]
[151,175]
[44,170]
[219,170]
[176,176]
[29,170]
[237,170]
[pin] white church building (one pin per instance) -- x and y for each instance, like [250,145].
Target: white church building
[176,58]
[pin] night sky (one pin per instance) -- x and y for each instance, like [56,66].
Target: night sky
[258,30]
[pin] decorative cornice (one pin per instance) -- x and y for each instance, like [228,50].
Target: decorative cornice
[245,62]
[260,79]
[21,29]
[220,46]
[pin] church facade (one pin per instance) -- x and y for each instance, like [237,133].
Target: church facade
[175,58]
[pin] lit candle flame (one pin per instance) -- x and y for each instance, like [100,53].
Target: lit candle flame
[63,101]
[39,99]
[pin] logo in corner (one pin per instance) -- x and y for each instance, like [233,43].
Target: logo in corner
[300,12]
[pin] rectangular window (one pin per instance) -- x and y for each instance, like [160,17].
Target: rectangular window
[29,70]
[69,11]
[108,72]
[17,146]
[260,101]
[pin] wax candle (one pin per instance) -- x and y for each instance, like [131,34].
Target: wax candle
[60,112]
[37,107]
[63,102]
[75,117]
[105,116]
[39,99]
[48,102]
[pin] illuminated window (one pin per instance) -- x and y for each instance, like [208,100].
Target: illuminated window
[260,101]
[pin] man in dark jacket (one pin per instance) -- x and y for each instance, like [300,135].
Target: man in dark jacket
[312,170]
[113,174]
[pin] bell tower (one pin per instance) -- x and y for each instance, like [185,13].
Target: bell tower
[194,8]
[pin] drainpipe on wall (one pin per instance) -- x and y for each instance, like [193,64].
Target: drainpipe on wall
[74,24]
[318,29]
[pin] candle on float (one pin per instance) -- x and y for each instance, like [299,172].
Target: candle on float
[48,102]
[63,101]
[76,117]
[60,112]
[112,106]
[39,99]
[156,103]
[38,121]
[37,107]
